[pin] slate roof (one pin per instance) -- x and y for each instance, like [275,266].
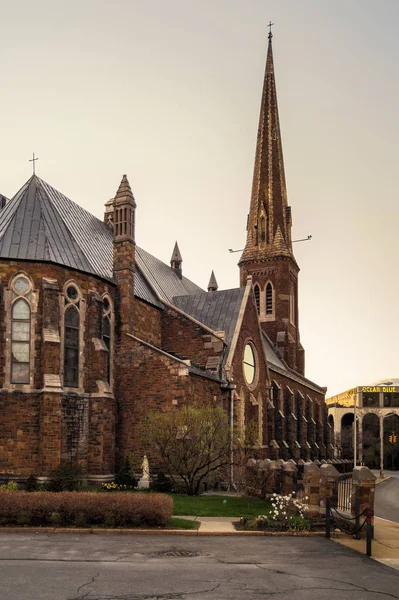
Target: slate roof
[41,224]
[162,278]
[218,310]
[279,366]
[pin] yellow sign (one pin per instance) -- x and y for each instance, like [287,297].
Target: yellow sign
[379,389]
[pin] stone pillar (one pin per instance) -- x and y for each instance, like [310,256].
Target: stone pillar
[311,487]
[273,469]
[360,439]
[328,476]
[363,492]
[289,478]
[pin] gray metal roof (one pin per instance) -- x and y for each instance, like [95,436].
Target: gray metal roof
[162,278]
[276,364]
[217,310]
[271,354]
[41,224]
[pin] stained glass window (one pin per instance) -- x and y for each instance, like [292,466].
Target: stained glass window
[71,347]
[20,340]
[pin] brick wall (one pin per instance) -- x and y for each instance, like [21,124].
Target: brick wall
[147,322]
[41,428]
[184,337]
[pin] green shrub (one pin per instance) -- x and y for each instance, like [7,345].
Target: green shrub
[125,475]
[31,484]
[162,483]
[85,509]
[67,478]
[10,486]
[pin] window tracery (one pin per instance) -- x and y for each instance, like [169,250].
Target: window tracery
[71,336]
[20,330]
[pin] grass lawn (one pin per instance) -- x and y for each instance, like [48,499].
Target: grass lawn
[218,506]
[175,523]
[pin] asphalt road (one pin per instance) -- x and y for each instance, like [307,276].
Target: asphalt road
[387,499]
[135,567]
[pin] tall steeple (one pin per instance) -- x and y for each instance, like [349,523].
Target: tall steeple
[269,219]
[268,255]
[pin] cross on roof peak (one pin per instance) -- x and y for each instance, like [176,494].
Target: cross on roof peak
[33,161]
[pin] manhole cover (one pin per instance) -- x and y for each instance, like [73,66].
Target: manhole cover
[175,552]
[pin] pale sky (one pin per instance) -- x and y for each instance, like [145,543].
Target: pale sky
[168,91]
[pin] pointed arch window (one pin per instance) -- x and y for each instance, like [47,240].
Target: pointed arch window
[71,336]
[269,299]
[257,297]
[20,341]
[107,334]
[21,324]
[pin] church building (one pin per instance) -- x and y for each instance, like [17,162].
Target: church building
[95,332]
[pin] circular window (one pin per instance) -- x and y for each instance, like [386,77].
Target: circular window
[21,285]
[72,292]
[249,364]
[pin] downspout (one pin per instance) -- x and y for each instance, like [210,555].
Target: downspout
[231,387]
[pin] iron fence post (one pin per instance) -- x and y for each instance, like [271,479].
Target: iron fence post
[357,515]
[369,530]
[328,518]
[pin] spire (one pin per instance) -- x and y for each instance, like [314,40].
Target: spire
[176,261]
[124,192]
[124,207]
[213,284]
[268,210]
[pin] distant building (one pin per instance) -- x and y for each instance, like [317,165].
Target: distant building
[377,414]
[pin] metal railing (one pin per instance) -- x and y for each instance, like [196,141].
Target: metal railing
[350,525]
[342,491]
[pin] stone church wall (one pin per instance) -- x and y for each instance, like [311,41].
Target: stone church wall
[183,337]
[147,322]
[152,381]
[43,423]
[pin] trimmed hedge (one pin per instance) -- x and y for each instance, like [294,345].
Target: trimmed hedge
[84,509]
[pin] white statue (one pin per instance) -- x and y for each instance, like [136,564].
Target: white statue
[146,469]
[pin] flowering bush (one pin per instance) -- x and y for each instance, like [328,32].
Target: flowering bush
[287,512]
[115,487]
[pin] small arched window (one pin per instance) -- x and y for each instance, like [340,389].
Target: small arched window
[269,299]
[257,297]
[107,334]
[71,337]
[20,339]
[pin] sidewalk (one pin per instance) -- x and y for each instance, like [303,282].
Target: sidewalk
[385,545]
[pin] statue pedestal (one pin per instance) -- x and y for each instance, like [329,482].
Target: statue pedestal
[144,484]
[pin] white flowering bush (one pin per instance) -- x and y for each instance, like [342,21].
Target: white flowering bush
[287,512]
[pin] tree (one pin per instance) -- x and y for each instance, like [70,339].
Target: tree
[193,442]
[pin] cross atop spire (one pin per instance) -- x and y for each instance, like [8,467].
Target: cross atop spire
[270,30]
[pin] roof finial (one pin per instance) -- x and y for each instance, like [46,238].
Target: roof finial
[270,30]
[33,160]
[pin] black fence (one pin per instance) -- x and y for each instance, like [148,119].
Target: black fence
[342,491]
[350,525]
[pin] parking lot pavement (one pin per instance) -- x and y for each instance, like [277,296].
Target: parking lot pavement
[132,567]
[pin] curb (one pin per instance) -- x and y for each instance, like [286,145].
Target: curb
[65,530]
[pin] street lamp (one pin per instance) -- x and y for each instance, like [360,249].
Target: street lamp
[382,417]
